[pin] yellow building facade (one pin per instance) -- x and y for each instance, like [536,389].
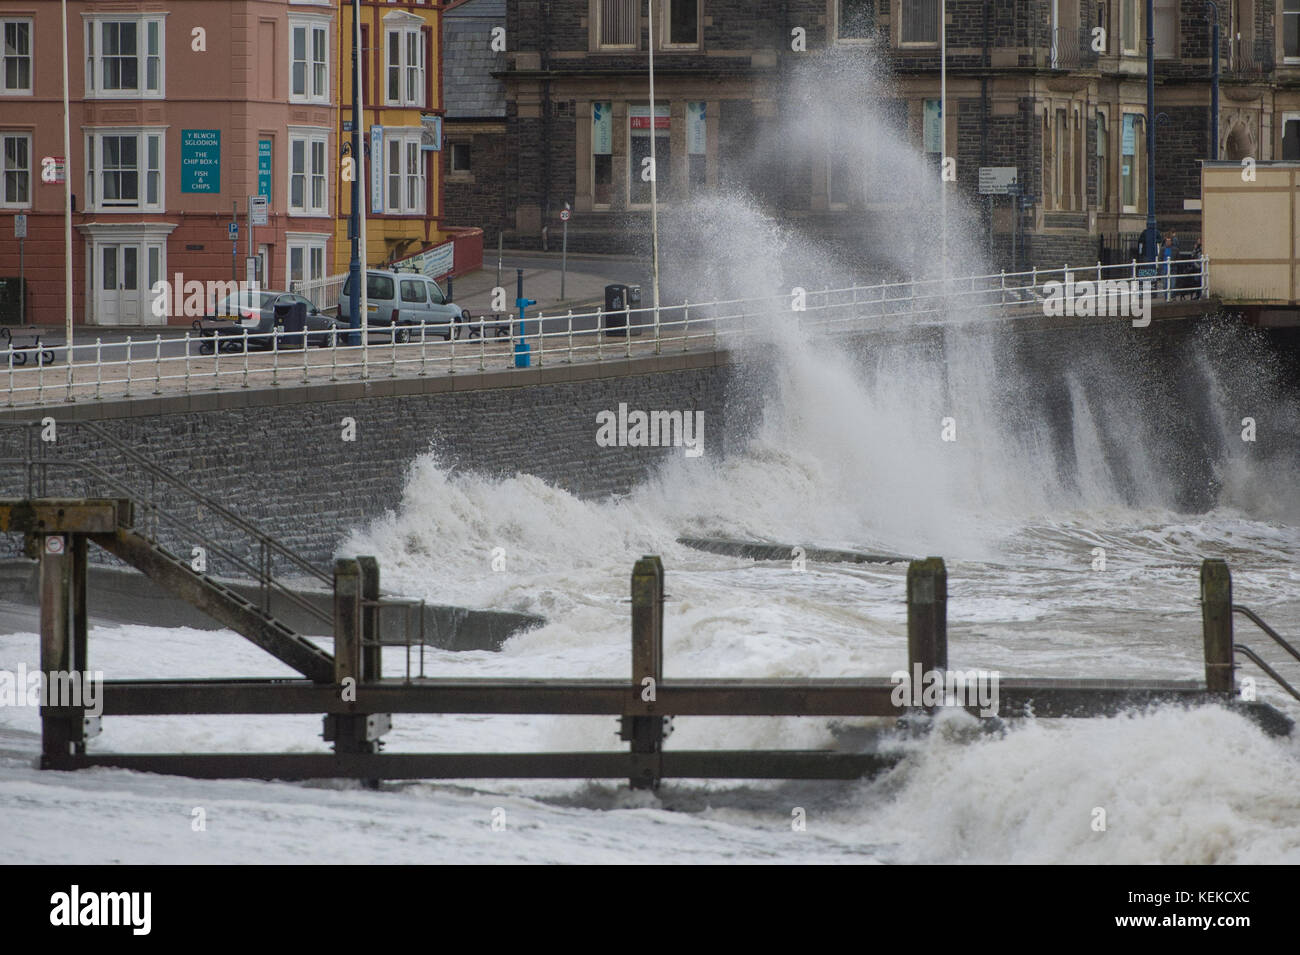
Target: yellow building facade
[401,129]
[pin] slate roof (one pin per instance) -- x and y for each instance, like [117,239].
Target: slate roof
[468,88]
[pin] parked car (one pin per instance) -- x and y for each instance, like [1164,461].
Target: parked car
[254,312]
[404,301]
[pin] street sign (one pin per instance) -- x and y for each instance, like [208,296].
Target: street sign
[257,206]
[20,226]
[234,231]
[997,180]
[564,215]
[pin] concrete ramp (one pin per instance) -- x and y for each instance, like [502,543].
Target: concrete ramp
[765,550]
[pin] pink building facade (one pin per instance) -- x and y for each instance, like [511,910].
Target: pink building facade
[181,110]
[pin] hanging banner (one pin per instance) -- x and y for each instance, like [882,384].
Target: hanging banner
[933,130]
[602,129]
[696,128]
[376,161]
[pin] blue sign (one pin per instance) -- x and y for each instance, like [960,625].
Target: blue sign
[264,168]
[377,169]
[201,160]
[234,231]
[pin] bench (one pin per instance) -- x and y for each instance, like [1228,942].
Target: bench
[21,348]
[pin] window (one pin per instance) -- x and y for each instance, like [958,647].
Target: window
[403,172]
[1291,135]
[1166,28]
[855,19]
[413,291]
[308,62]
[16,75]
[15,170]
[405,66]
[1128,164]
[618,24]
[124,58]
[1291,30]
[1130,35]
[1058,157]
[306,258]
[124,170]
[920,22]
[460,158]
[1103,173]
[307,183]
[640,169]
[681,23]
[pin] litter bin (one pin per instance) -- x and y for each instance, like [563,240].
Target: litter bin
[290,323]
[633,303]
[11,295]
[616,304]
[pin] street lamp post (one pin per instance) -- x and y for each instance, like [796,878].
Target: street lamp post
[943,133]
[654,175]
[1151,132]
[67,206]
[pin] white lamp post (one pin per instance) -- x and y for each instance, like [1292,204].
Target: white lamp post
[67,207]
[654,175]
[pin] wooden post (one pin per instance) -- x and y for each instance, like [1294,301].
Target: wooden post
[371,659]
[1216,625]
[927,616]
[646,733]
[347,620]
[61,736]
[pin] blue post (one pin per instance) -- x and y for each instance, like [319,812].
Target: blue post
[521,347]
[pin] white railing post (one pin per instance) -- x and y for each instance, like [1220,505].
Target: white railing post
[482,344]
[306,351]
[569,360]
[1135,270]
[187,362]
[334,354]
[686,324]
[157,364]
[217,352]
[275,354]
[541,337]
[99,367]
[1003,291]
[451,340]
[424,352]
[128,366]
[393,356]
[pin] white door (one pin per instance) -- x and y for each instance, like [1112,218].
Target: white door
[125,274]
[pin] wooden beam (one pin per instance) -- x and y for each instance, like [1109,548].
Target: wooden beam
[64,515]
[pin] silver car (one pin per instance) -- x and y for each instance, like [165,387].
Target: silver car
[410,304]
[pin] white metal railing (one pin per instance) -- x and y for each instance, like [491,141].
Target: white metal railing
[195,362]
[323,293]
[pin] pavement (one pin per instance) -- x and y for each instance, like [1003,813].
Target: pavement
[581,287]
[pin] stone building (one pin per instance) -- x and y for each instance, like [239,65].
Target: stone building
[1054,88]
[474,156]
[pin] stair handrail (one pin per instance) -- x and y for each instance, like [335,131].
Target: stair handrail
[225,513]
[1256,658]
[123,486]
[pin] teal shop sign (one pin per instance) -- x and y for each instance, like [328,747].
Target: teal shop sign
[264,168]
[201,160]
